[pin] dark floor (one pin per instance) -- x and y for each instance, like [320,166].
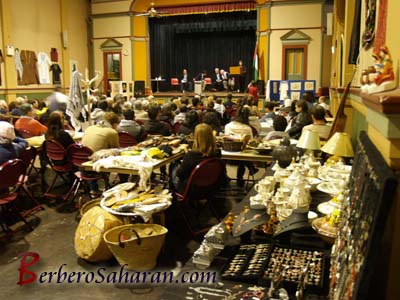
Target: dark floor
[53,240]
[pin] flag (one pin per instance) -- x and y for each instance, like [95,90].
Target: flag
[255,62]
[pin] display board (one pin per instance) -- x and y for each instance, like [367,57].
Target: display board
[278,90]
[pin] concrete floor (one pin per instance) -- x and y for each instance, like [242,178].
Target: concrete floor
[53,240]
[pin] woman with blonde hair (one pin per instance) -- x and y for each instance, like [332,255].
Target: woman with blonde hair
[204,146]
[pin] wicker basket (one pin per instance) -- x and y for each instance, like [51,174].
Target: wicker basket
[136,245]
[88,205]
[89,243]
[233,145]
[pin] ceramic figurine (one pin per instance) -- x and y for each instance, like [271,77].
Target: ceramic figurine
[381,76]
[300,196]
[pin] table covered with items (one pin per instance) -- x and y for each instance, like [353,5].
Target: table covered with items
[307,231]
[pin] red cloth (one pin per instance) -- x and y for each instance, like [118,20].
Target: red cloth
[54,55]
[207,8]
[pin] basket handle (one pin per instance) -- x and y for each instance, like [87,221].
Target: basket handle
[121,243]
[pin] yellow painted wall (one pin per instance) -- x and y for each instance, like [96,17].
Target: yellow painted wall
[108,7]
[295,15]
[2,49]
[140,61]
[126,57]
[36,25]
[291,17]
[111,27]
[78,43]
[314,54]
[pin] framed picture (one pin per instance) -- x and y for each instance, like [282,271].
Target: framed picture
[295,86]
[309,85]
[295,96]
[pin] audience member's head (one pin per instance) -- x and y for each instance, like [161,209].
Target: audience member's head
[318,113]
[183,108]
[280,123]
[309,97]
[103,105]
[269,106]
[138,105]
[192,119]
[3,106]
[55,123]
[128,114]
[212,119]
[229,97]
[7,131]
[26,109]
[153,111]
[302,107]
[112,119]
[195,101]
[322,99]
[204,140]
[242,115]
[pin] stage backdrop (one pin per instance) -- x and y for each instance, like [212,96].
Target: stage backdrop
[202,42]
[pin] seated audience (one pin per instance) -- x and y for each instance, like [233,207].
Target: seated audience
[10,145]
[129,125]
[228,103]
[280,124]
[154,125]
[269,112]
[102,135]
[219,107]
[180,117]
[27,124]
[319,123]
[309,98]
[140,113]
[302,119]
[55,129]
[191,120]
[212,118]
[240,127]
[204,146]
[3,107]
[167,115]
[99,111]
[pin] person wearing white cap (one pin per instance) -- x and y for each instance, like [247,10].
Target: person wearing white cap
[10,145]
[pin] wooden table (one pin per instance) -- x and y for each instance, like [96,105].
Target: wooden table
[246,155]
[37,141]
[88,166]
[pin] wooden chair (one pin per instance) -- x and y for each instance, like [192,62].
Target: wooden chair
[11,173]
[77,155]
[203,182]
[126,140]
[57,158]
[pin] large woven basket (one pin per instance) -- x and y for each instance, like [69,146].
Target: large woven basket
[136,245]
[89,242]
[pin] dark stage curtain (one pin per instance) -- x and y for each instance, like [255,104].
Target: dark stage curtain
[202,42]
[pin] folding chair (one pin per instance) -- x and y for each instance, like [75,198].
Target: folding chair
[126,140]
[11,173]
[203,183]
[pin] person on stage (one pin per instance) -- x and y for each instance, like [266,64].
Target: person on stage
[224,76]
[186,84]
[217,80]
[242,77]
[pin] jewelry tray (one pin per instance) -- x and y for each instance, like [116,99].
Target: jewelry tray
[320,288]
[247,252]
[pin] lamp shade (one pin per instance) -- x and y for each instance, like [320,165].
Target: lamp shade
[309,140]
[339,145]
